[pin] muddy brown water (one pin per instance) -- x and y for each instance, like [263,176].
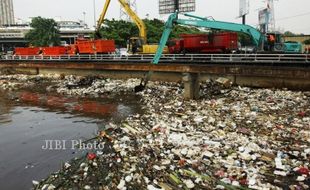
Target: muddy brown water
[28,119]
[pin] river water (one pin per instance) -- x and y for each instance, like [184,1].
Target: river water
[28,119]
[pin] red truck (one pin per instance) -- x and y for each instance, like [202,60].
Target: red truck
[54,50]
[224,42]
[26,51]
[82,46]
[94,46]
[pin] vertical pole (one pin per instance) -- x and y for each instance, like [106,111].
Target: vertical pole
[243,19]
[176,5]
[94,13]
[84,13]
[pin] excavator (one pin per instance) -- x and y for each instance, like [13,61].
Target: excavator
[271,42]
[135,44]
[264,43]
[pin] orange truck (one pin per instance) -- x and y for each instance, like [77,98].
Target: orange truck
[81,46]
[95,46]
[27,51]
[54,50]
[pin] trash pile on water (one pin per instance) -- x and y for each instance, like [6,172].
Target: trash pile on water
[93,85]
[235,138]
[17,81]
[69,85]
[231,138]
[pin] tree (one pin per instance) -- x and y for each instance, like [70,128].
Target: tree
[178,30]
[288,33]
[120,31]
[244,39]
[44,32]
[307,42]
[154,30]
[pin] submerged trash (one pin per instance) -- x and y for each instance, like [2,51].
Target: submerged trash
[91,156]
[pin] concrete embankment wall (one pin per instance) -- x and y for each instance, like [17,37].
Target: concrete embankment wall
[251,81]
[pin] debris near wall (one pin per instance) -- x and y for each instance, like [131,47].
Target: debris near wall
[93,85]
[237,138]
[18,81]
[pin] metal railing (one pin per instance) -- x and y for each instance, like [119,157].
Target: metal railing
[169,57]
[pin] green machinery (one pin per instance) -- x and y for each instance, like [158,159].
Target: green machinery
[260,41]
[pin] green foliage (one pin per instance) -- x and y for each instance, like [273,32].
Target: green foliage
[288,33]
[44,32]
[154,30]
[307,42]
[244,39]
[121,31]
[156,27]
[178,30]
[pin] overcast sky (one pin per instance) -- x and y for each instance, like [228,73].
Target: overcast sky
[292,15]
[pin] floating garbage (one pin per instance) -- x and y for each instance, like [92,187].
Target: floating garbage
[91,156]
[231,138]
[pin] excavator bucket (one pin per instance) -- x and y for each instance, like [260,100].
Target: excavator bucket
[140,87]
[162,43]
[143,82]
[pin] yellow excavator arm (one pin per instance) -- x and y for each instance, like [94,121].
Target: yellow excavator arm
[136,44]
[140,24]
[101,18]
[136,19]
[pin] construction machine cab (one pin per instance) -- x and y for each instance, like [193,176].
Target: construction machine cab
[274,42]
[135,45]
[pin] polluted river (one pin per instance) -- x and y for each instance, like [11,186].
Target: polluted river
[74,132]
[30,118]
